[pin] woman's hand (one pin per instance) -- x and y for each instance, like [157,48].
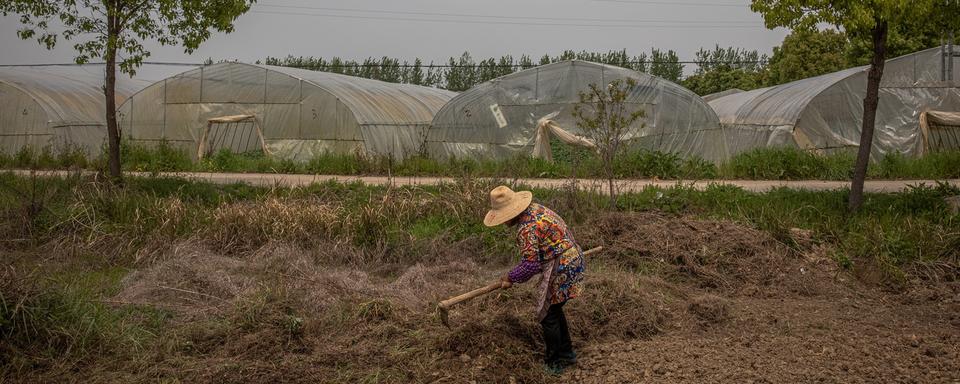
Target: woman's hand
[505,282]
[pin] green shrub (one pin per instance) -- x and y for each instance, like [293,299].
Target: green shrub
[337,164]
[32,158]
[839,165]
[936,165]
[72,156]
[698,168]
[570,155]
[646,164]
[780,163]
[423,166]
[64,319]
[225,160]
[942,165]
[24,158]
[160,158]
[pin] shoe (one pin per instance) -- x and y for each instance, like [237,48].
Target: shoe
[568,360]
[553,369]
[565,363]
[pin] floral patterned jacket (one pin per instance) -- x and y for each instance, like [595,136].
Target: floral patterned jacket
[542,237]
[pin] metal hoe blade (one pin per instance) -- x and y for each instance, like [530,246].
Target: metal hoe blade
[444,315]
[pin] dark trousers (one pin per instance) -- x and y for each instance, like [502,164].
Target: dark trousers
[556,336]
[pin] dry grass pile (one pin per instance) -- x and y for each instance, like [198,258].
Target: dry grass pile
[711,254]
[189,278]
[280,301]
[710,309]
[623,306]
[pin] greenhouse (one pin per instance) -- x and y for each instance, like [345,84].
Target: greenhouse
[286,112]
[55,105]
[919,102]
[505,117]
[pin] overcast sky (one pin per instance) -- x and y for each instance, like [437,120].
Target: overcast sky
[438,29]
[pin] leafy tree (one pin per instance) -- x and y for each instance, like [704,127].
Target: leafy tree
[902,39]
[721,69]
[526,62]
[434,76]
[462,73]
[861,18]
[114,30]
[416,75]
[666,65]
[545,59]
[806,53]
[722,79]
[604,117]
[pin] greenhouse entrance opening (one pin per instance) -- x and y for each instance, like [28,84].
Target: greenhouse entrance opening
[941,130]
[237,133]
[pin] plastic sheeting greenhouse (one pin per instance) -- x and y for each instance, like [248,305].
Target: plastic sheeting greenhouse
[298,113]
[49,106]
[824,113]
[499,118]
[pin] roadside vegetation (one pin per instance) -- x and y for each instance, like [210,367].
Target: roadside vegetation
[758,164]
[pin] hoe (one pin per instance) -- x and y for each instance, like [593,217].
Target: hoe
[443,309]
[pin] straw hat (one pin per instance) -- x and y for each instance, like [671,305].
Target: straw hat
[506,204]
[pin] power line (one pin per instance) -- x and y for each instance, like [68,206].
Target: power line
[697,4]
[495,22]
[576,19]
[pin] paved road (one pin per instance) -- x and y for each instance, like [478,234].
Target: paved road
[290,180]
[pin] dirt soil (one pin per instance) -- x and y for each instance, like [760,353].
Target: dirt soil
[670,300]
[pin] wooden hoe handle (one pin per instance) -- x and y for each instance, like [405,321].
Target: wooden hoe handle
[469,295]
[487,289]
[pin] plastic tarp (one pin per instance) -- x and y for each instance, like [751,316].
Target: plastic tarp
[302,113]
[547,128]
[58,105]
[825,113]
[498,118]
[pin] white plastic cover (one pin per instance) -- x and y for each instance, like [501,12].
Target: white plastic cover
[825,113]
[49,106]
[677,120]
[303,113]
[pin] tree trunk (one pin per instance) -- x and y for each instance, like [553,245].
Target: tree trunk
[608,164]
[870,102]
[109,92]
[613,194]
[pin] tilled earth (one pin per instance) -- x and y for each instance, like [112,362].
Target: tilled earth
[848,337]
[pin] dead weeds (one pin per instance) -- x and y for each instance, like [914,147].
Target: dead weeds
[717,255]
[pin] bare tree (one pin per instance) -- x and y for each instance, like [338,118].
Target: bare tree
[604,116]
